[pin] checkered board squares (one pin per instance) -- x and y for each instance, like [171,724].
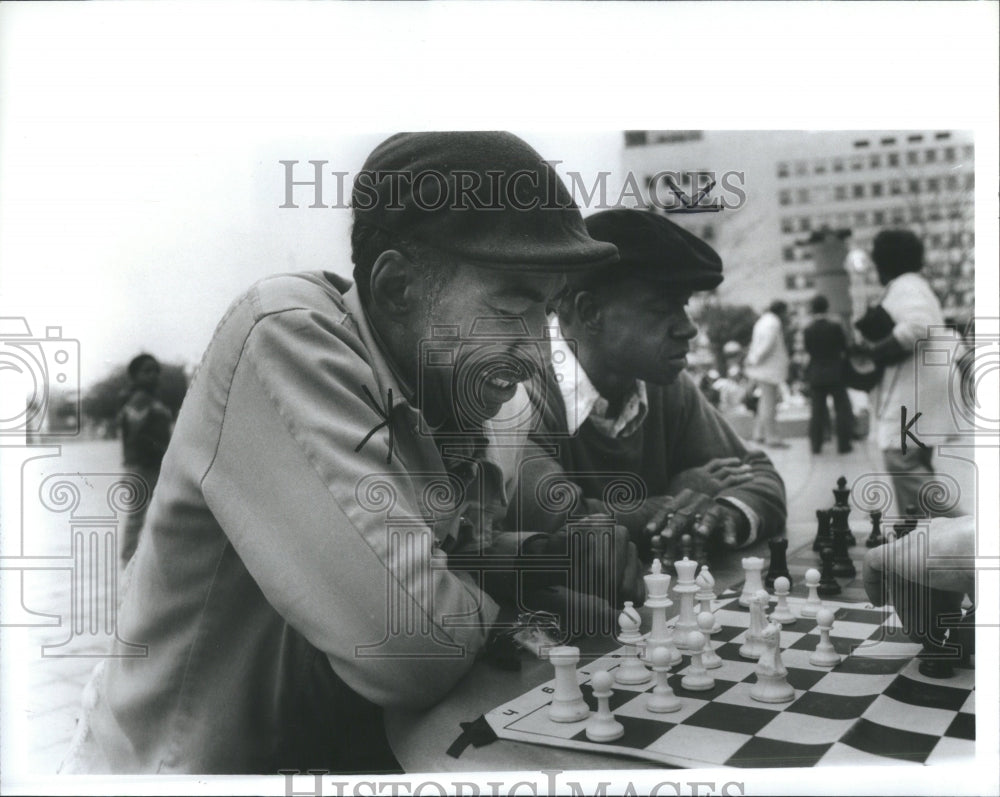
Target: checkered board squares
[873,708]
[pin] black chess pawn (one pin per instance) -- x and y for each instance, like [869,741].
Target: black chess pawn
[843,566]
[824,539]
[875,539]
[656,546]
[827,581]
[778,566]
[687,546]
[669,545]
[699,551]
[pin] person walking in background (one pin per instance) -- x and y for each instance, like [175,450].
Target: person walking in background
[767,365]
[826,344]
[146,424]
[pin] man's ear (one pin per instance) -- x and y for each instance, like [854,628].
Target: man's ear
[588,311]
[393,283]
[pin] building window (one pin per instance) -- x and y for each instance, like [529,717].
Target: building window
[708,232]
[782,170]
[949,154]
[861,143]
[875,161]
[888,142]
[967,151]
[802,196]
[876,189]
[838,164]
[933,184]
[935,240]
[801,168]
[895,187]
[970,182]
[930,156]
[636,138]
[819,167]
[787,224]
[857,163]
[942,136]
[840,192]
[858,191]
[878,218]
[898,216]
[784,197]
[913,186]
[951,182]
[915,139]
[912,157]
[861,219]
[893,159]
[788,254]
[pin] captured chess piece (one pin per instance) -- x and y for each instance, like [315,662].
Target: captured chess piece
[778,565]
[782,612]
[772,676]
[825,654]
[568,704]
[603,727]
[843,565]
[813,603]
[752,583]
[662,699]
[875,539]
[841,495]
[824,537]
[631,670]
[827,581]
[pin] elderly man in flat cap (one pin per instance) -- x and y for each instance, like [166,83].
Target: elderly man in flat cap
[618,400]
[339,453]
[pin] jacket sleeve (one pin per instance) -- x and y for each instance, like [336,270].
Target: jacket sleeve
[311,518]
[703,434]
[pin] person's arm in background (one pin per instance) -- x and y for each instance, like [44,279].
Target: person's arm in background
[912,313]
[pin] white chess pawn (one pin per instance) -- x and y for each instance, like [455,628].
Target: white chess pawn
[709,658]
[631,670]
[603,727]
[662,700]
[813,603]
[782,613]
[752,565]
[825,654]
[568,704]
[706,594]
[697,679]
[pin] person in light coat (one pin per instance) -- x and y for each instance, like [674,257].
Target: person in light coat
[767,365]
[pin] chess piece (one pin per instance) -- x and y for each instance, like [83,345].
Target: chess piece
[827,582]
[930,617]
[709,658]
[772,677]
[687,547]
[782,613]
[841,494]
[813,603]
[662,699]
[752,645]
[700,552]
[908,523]
[825,654]
[603,727]
[685,588]
[568,704]
[669,543]
[843,566]
[824,539]
[752,565]
[875,539]
[705,595]
[696,679]
[657,591]
[656,547]
[778,566]
[631,670]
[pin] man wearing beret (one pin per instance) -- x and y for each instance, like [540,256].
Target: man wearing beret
[342,454]
[618,389]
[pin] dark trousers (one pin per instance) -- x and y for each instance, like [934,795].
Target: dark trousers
[842,408]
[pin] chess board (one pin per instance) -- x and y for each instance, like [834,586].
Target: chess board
[872,708]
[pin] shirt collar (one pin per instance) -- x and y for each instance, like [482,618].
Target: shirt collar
[582,400]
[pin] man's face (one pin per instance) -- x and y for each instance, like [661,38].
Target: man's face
[645,330]
[481,338]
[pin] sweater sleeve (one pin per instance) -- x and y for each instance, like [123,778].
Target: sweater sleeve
[701,433]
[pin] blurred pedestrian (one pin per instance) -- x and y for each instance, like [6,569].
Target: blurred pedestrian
[767,365]
[146,424]
[826,344]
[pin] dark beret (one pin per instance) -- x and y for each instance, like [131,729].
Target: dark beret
[485,198]
[653,247]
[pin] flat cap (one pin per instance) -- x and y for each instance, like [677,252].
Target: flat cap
[653,247]
[486,198]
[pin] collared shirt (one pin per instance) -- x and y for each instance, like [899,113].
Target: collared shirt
[295,552]
[582,401]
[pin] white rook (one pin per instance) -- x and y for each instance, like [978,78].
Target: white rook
[568,704]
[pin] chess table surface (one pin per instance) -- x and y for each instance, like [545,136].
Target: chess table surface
[420,739]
